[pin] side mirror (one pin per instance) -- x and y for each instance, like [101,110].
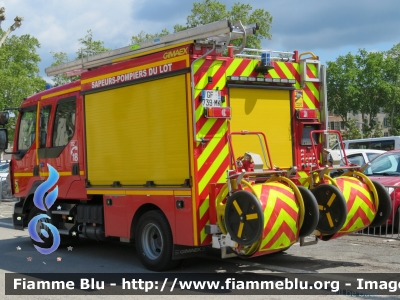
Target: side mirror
[3,139]
[4,118]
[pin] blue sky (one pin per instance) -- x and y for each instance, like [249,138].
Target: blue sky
[328,28]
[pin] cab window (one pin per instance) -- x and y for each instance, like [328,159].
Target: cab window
[44,121]
[64,122]
[27,126]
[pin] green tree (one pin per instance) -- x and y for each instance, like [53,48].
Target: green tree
[143,36]
[372,92]
[395,126]
[206,12]
[377,130]
[361,84]
[342,86]
[245,13]
[89,47]
[352,130]
[211,10]
[60,58]
[19,71]
[392,79]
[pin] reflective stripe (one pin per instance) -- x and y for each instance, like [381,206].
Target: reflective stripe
[360,206]
[74,89]
[204,207]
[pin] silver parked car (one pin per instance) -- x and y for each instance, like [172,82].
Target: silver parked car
[5,181]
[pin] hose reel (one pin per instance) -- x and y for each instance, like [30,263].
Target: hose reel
[349,203]
[242,214]
[244,218]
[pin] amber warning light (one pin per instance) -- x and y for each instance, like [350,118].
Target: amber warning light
[307,114]
[218,112]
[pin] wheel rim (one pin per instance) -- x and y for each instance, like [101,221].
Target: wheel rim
[152,241]
[332,208]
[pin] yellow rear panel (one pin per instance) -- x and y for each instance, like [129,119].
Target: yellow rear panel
[267,111]
[138,133]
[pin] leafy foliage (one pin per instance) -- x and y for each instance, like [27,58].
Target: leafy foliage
[371,87]
[366,83]
[352,130]
[392,77]
[377,131]
[60,58]
[143,36]
[342,85]
[19,71]
[89,47]
[211,11]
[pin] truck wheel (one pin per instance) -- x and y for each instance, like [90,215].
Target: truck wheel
[154,243]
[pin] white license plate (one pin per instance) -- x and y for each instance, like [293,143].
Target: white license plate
[211,98]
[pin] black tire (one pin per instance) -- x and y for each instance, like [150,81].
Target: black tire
[242,229]
[47,241]
[333,214]
[311,213]
[154,243]
[385,206]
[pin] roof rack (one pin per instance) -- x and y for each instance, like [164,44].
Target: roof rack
[220,32]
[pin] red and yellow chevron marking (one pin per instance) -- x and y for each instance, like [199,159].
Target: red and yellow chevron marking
[281,212]
[213,158]
[304,178]
[360,205]
[245,67]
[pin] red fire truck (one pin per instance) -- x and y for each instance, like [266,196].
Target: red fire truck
[186,142]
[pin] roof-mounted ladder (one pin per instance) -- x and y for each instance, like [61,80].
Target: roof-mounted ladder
[220,32]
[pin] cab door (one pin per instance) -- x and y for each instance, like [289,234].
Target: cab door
[58,144]
[24,169]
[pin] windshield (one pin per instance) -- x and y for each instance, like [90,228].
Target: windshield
[387,164]
[371,156]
